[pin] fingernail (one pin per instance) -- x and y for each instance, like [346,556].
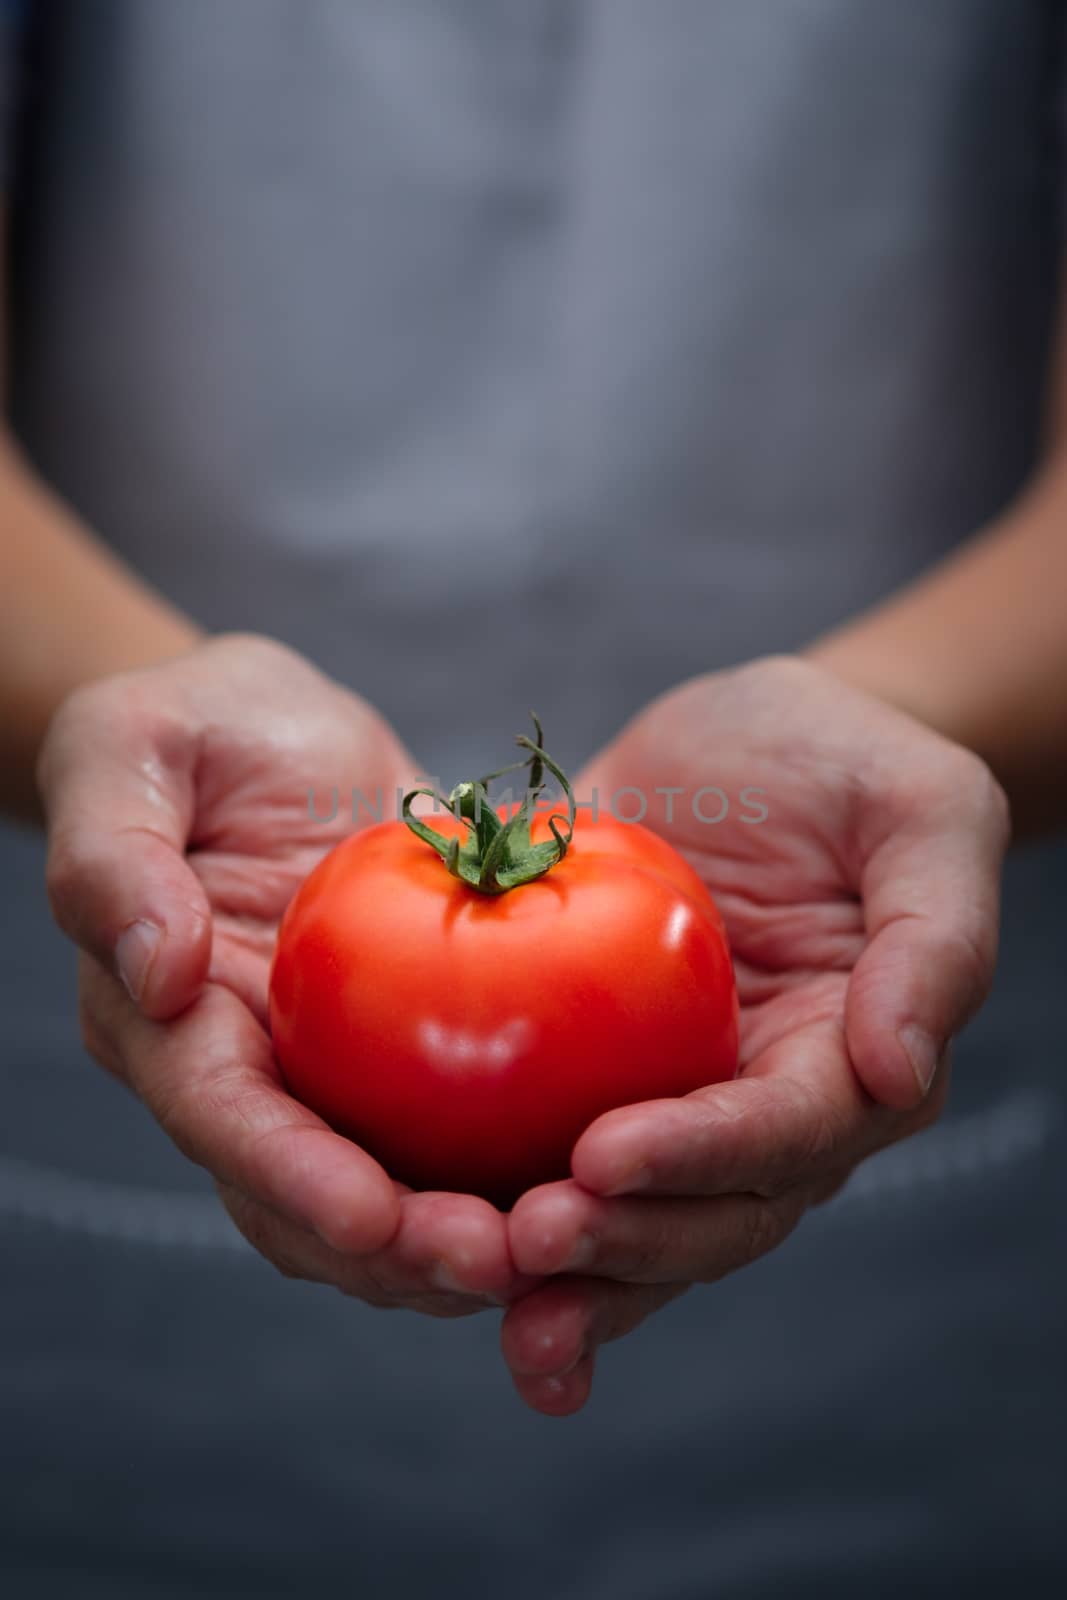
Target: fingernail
[922,1053]
[565,1372]
[442,1277]
[636,1178]
[581,1254]
[134,953]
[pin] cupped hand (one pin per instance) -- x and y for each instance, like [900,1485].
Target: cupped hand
[862,910]
[179,823]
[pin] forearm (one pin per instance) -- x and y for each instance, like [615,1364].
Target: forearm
[977,649]
[70,611]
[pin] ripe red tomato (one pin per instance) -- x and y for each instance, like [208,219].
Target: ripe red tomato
[466,1039]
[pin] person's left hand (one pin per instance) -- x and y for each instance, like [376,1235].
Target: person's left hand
[863,917]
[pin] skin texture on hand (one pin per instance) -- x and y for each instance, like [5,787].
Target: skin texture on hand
[179,827]
[863,918]
[862,914]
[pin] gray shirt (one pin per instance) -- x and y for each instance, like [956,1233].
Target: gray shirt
[680,331]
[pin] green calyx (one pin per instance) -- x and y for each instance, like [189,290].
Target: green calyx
[497,856]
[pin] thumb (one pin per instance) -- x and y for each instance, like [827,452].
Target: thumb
[116,776]
[931,892]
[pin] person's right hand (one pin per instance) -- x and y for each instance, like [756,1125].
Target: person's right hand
[179,827]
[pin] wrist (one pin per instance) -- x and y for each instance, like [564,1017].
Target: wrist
[882,656]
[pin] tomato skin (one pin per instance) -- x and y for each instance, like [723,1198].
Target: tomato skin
[467,1040]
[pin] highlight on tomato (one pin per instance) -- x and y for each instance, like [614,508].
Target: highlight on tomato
[463,1000]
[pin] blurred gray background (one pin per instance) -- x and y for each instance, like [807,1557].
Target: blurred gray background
[603,342]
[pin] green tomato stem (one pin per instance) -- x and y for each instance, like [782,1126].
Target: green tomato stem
[497,856]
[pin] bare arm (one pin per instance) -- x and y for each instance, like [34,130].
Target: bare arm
[977,647]
[70,611]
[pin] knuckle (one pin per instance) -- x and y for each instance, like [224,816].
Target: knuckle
[263,1231]
[996,806]
[83,710]
[99,1037]
[644,1256]
[819,1137]
[362,1282]
[82,705]
[284,1265]
[828,1187]
[988,795]
[446,1308]
[764,1224]
[618,1309]
[783,668]
[69,868]
[348,1291]
[644,1244]
[975,791]
[226,1103]
[367,1297]
[96,1041]
[180,1114]
[256,653]
[818,1131]
[754,1231]
[612,1313]
[253,1223]
[972,952]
